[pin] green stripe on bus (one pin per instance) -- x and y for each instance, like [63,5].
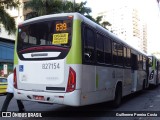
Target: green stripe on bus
[75,54]
[15,53]
[154,64]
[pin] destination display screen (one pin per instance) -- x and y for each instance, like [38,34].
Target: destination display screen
[61,26]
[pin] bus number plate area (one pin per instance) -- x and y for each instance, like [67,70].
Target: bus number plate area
[51,66]
[36,97]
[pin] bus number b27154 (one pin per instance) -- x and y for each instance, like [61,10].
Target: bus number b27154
[50,66]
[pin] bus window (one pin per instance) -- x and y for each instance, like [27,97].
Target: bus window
[140,62]
[89,46]
[114,53]
[107,50]
[117,54]
[128,57]
[57,32]
[144,63]
[120,54]
[125,55]
[100,48]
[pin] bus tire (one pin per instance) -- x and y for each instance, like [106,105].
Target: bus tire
[118,96]
[144,85]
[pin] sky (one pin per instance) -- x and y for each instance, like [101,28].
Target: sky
[149,11]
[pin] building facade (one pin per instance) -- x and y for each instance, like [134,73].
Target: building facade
[6,56]
[7,41]
[127,24]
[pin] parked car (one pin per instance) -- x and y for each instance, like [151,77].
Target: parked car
[3,85]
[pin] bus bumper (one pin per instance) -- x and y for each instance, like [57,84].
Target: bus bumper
[70,98]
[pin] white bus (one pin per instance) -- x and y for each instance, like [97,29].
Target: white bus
[154,70]
[68,59]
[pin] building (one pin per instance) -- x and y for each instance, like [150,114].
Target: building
[145,39]
[7,41]
[6,56]
[127,24]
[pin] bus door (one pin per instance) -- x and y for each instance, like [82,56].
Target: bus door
[134,68]
[157,74]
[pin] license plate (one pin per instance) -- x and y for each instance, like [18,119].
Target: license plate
[36,97]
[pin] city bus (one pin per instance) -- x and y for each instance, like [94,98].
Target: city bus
[154,70]
[68,59]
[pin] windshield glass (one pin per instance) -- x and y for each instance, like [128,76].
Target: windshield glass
[51,32]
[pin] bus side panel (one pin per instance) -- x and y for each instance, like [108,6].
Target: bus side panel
[75,54]
[127,82]
[98,84]
[105,79]
[88,78]
[15,51]
[141,77]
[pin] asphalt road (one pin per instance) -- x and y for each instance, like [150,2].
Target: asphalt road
[147,101]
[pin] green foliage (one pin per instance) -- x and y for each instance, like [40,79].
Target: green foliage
[45,7]
[5,18]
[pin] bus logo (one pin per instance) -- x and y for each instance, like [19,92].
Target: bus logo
[20,68]
[6,114]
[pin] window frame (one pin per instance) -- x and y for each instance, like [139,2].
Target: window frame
[84,27]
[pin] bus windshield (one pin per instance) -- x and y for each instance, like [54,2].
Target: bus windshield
[55,31]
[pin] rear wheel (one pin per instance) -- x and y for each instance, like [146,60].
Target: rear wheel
[118,96]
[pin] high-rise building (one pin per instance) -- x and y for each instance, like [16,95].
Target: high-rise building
[126,23]
[145,38]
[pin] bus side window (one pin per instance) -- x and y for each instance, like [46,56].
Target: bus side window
[128,57]
[144,63]
[108,50]
[114,53]
[89,56]
[140,62]
[120,54]
[100,48]
[117,54]
[125,56]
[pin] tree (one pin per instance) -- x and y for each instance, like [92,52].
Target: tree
[98,19]
[5,19]
[45,7]
[77,7]
[104,23]
[80,8]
